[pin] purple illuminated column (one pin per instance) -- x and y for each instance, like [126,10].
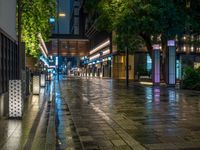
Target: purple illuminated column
[171,63]
[156,64]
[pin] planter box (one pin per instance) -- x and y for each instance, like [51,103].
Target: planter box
[16,96]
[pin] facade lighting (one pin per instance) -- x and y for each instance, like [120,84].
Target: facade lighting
[100,47]
[42,46]
[43,51]
[184,48]
[94,57]
[106,52]
[62,14]
[192,49]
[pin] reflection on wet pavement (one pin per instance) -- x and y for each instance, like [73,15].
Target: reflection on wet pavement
[19,134]
[109,116]
[66,134]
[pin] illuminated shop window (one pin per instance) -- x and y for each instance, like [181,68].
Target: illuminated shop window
[149,63]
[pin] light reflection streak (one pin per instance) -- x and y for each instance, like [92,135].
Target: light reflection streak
[14,133]
[100,112]
[148,94]
[156,94]
[172,95]
[51,91]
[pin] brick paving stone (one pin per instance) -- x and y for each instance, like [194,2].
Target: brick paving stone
[86,138]
[142,117]
[118,142]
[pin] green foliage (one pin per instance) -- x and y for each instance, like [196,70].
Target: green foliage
[35,20]
[137,21]
[191,78]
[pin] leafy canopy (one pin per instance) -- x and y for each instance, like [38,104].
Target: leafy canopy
[35,20]
[137,21]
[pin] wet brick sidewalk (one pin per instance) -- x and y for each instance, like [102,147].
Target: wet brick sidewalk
[109,116]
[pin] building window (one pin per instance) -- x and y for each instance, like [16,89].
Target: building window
[8,62]
[149,63]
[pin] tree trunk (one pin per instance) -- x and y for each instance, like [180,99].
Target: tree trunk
[164,57]
[147,39]
[127,68]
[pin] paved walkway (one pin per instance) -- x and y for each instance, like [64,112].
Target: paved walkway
[93,114]
[30,131]
[108,116]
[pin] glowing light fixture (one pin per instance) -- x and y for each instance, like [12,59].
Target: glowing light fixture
[184,48]
[106,52]
[52,20]
[42,46]
[42,50]
[62,14]
[146,83]
[100,47]
[94,56]
[192,49]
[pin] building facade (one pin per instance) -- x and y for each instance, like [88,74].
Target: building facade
[105,60]
[9,53]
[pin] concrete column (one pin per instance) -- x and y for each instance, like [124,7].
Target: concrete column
[156,64]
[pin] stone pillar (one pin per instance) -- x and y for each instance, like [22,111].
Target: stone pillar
[156,64]
[171,63]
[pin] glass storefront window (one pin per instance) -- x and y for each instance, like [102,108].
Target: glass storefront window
[149,63]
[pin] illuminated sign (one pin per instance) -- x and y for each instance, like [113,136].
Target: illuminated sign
[171,43]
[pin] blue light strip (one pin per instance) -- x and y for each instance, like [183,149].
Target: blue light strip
[44,60]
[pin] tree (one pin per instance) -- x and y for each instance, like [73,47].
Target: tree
[147,22]
[35,20]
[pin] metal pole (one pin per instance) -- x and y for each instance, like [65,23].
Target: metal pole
[19,36]
[127,69]
[58,39]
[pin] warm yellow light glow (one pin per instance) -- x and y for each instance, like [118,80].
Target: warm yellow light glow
[106,52]
[42,45]
[62,14]
[184,48]
[43,51]
[146,83]
[100,47]
[192,48]
[95,56]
